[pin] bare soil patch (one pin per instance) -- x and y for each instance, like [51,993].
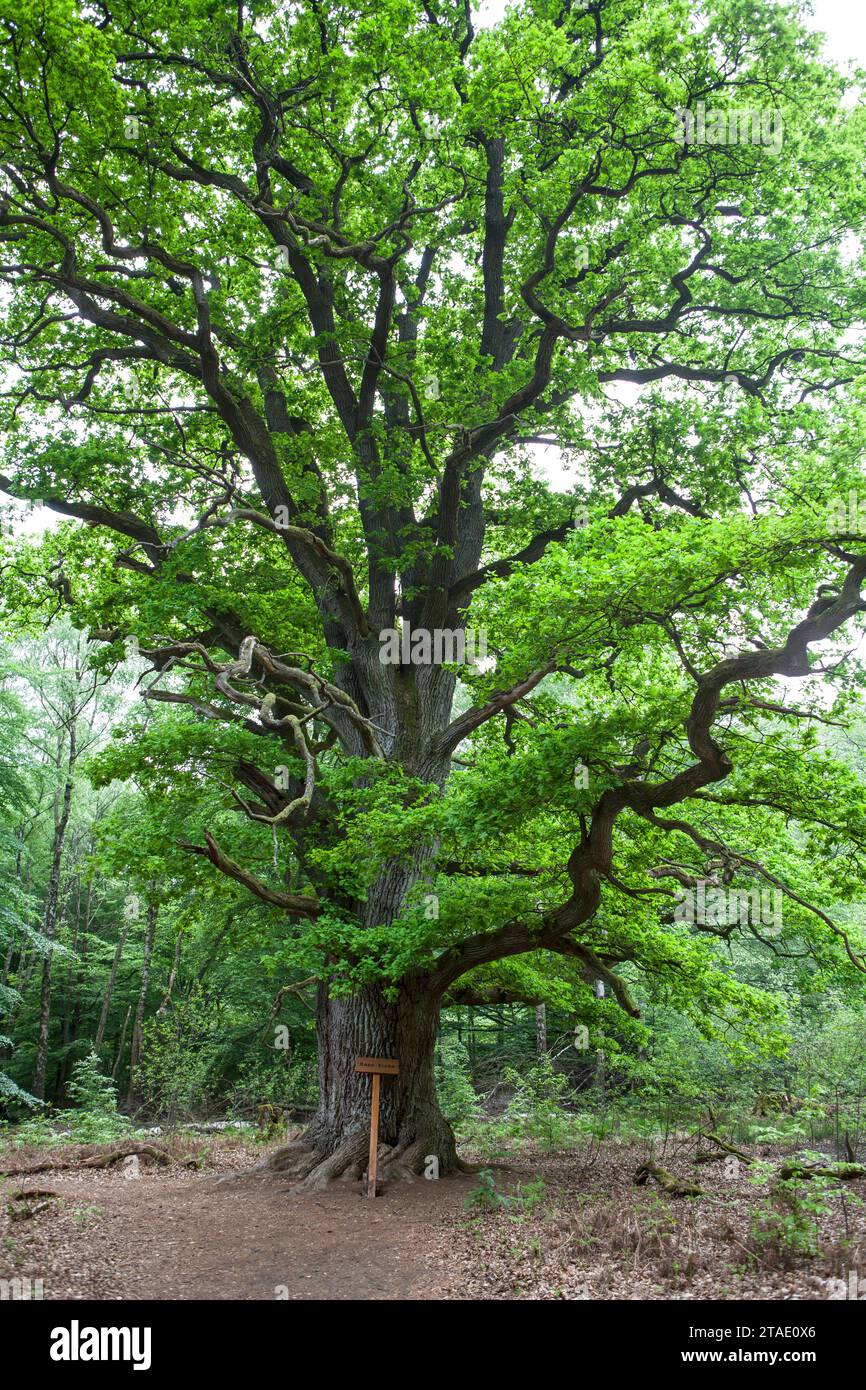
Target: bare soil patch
[175,1232]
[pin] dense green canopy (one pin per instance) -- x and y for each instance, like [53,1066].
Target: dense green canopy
[325,318]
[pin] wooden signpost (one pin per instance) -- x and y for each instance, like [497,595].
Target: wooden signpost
[377,1067]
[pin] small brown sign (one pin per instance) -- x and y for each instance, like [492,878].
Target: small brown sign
[379,1066]
[385,1066]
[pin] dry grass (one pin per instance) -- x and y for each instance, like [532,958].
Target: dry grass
[596,1235]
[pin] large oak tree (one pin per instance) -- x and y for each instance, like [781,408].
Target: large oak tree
[299,302]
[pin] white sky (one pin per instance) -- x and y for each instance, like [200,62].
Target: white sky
[843,22]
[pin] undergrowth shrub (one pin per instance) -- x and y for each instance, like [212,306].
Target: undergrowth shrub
[94,1118]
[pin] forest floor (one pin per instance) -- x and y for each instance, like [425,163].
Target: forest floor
[573,1226]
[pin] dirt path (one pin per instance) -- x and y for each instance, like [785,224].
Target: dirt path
[570,1226]
[189,1236]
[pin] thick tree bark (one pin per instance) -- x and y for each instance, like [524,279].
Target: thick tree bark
[412,1128]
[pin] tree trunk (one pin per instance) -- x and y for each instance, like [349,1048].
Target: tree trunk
[71,1004]
[166,998]
[138,1025]
[540,1029]
[121,1044]
[109,988]
[412,1128]
[49,925]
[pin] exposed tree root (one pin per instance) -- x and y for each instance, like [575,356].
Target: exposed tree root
[726,1150]
[295,1159]
[23,1211]
[26,1202]
[312,1167]
[49,1167]
[472,1168]
[95,1160]
[674,1186]
[844,1172]
[348,1163]
[340,1163]
[143,1150]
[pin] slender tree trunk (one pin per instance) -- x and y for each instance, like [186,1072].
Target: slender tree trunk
[137,1027]
[70,1005]
[541,1029]
[17,954]
[109,988]
[50,921]
[166,999]
[122,1043]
